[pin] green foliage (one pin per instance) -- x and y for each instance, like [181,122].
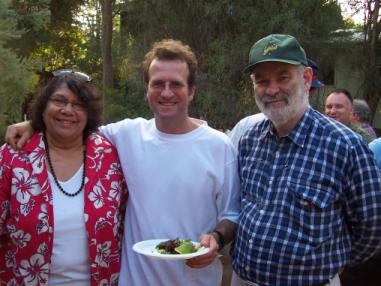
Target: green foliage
[51,33]
[31,18]
[221,33]
[7,23]
[15,83]
[350,24]
[67,34]
[16,76]
[124,103]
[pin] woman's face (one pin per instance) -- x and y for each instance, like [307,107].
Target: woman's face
[64,117]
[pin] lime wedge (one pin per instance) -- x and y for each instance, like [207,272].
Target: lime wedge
[185,247]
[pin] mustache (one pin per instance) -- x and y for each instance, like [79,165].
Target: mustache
[268,99]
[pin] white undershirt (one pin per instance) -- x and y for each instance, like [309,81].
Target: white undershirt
[70,257]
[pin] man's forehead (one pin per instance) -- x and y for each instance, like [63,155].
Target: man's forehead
[165,61]
[175,65]
[339,98]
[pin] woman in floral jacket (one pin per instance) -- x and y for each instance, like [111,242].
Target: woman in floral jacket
[62,197]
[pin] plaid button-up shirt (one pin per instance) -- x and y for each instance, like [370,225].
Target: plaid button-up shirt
[311,202]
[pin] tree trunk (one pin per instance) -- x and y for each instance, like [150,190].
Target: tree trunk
[106,41]
[123,30]
[372,33]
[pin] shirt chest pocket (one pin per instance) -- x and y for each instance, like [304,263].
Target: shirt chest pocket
[310,196]
[314,211]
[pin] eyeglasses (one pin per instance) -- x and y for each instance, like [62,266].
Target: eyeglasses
[63,102]
[81,75]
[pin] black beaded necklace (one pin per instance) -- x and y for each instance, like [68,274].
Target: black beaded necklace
[55,177]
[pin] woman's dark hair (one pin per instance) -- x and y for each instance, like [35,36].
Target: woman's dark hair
[86,93]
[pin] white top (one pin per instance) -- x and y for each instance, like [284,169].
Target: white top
[179,186]
[70,257]
[243,125]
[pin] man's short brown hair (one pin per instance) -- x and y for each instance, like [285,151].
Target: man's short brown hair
[169,49]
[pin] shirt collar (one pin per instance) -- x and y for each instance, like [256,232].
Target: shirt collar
[298,134]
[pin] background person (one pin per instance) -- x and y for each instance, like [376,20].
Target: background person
[310,200]
[182,175]
[367,273]
[62,196]
[361,116]
[339,106]
[316,84]
[375,146]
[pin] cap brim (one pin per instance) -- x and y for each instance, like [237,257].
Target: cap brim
[250,67]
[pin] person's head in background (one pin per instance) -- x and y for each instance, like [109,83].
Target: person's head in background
[361,116]
[361,111]
[339,106]
[316,83]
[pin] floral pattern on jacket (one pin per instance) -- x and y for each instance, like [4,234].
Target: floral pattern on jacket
[26,213]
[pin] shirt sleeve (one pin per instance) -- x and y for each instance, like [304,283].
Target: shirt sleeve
[244,125]
[105,130]
[375,146]
[116,131]
[228,201]
[364,204]
[236,133]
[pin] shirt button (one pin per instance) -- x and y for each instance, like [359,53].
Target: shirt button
[247,268]
[250,241]
[261,212]
[270,182]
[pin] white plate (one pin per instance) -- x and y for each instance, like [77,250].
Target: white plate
[148,248]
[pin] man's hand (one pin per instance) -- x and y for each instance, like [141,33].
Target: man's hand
[18,134]
[225,231]
[207,240]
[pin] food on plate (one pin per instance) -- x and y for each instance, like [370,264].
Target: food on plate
[177,246]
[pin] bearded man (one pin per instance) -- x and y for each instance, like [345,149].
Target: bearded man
[310,201]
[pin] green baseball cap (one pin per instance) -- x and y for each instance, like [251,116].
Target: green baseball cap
[276,48]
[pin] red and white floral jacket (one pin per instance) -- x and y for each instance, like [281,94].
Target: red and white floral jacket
[26,213]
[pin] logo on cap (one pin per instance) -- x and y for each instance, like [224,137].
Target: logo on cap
[269,49]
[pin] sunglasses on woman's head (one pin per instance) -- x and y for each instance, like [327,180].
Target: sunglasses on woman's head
[81,75]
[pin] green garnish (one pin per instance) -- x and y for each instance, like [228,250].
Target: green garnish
[177,246]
